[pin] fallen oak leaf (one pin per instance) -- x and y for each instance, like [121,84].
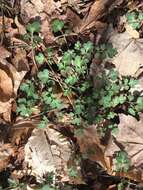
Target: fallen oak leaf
[127,47]
[129,136]
[48,151]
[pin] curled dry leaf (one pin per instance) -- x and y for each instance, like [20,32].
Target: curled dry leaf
[4,53]
[6,86]
[130,138]
[48,151]
[129,58]
[97,10]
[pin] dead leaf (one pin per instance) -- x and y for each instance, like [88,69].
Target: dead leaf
[4,54]
[6,86]
[6,152]
[48,151]
[133,33]
[129,58]
[97,10]
[91,147]
[130,137]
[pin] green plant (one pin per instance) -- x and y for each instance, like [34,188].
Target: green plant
[104,51]
[122,162]
[40,58]
[100,104]
[135,19]
[13,184]
[57,25]
[72,172]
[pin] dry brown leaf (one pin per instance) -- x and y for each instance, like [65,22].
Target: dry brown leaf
[21,131]
[48,151]
[6,86]
[129,136]
[4,53]
[91,147]
[129,58]
[97,10]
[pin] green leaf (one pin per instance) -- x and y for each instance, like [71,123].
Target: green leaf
[122,99]
[57,25]
[131,16]
[135,25]
[140,16]
[23,110]
[111,115]
[133,82]
[88,47]
[34,27]
[77,46]
[130,98]
[139,103]
[132,111]
[111,52]
[40,58]
[44,76]
[122,161]
[28,88]
[43,123]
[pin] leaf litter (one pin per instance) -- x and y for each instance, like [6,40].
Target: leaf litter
[58,150]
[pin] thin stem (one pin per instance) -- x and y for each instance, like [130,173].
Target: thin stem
[33,52]
[59,82]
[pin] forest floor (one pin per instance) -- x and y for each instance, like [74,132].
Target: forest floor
[71,94]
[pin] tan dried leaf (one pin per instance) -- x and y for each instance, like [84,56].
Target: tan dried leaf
[129,58]
[132,32]
[48,151]
[6,86]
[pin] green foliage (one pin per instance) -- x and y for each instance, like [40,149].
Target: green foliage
[43,76]
[74,65]
[135,19]
[122,162]
[69,75]
[72,172]
[43,122]
[34,27]
[13,184]
[32,37]
[104,51]
[57,25]
[40,58]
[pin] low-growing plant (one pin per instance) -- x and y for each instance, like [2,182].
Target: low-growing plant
[69,76]
[122,162]
[135,19]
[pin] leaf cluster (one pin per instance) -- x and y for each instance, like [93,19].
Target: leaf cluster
[135,19]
